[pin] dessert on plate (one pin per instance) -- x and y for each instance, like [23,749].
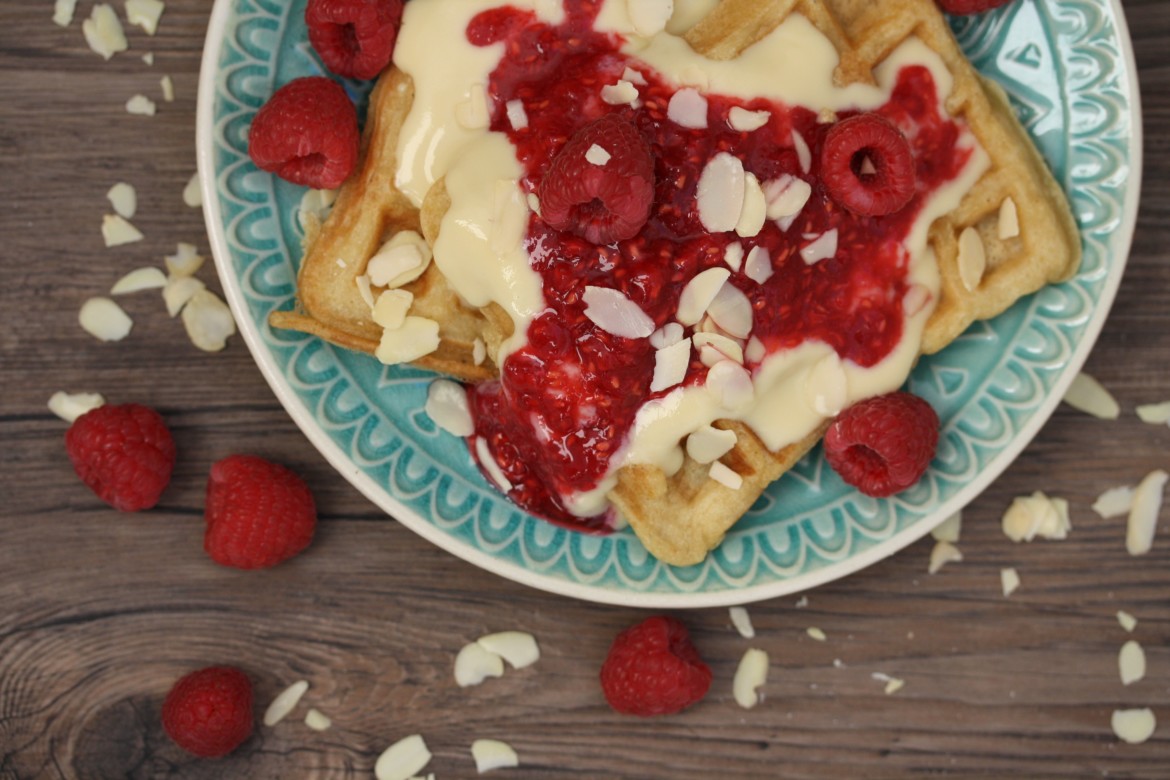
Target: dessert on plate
[665,245]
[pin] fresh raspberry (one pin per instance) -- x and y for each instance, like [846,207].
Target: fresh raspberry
[653,669]
[258,513]
[355,38]
[873,138]
[883,444]
[307,133]
[124,453]
[601,203]
[209,712]
[969,6]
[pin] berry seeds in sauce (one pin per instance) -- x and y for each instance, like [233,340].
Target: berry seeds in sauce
[572,400]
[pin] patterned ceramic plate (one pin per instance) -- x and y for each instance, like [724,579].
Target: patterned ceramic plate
[1069,67]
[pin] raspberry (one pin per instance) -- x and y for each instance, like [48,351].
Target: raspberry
[653,669]
[209,711]
[258,513]
[307,133]
[969,6]
[883,444]
[354,38]
[601,203]
[125,454]
[848,145]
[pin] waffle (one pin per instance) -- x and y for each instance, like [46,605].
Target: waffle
[681,516]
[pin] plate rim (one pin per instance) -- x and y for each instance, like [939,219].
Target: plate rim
[1118,246]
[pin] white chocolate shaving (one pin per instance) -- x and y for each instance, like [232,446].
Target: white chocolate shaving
[518,648]
[949,529]
[1009,580]
[208,321]
[116,231]
[942,554]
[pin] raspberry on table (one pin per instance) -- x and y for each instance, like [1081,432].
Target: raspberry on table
[258,513]
[848,145]
[969,6]
[653,669]
[307,133]
[124,453]
[601,202]
[209,712]
[354,38]
[883,444]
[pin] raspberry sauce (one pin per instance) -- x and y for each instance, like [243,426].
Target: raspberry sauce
[565,402]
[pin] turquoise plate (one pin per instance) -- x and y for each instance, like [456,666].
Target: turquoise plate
[1068,65]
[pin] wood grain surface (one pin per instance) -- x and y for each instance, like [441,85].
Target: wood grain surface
[101,612]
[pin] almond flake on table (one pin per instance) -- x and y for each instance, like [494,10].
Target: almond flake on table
[941,554]
[179,291]
[208,321]
[614,313]
[145,278]
[1143,515]
[285,702]
[755,208]
[1154,414]
[402,760]
[168,89]
[116,231]
[140,105]
[758,266]
[1009,580]
[822,247]
[70,406]
[948,530]
[148,58]
[750,676]
[1036,515]
[1087,395]
[317,720]
[699,293]
[124,199]
[63,12]
[1114,502]
[670,365]
[1134,726]
[192,194]
[475,663]
[103,31]
[145,14]
[1008,225]
[490,754]
[184,262]
[892,684]
[1131,662]
[1126,620]
[742,622]
[708,444]
[103,319]
[816,633]
[518,648]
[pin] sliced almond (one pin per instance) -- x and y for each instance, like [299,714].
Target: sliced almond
[786,196]
[124,199]
[448,407]
[750,676]
[168,89]
[400,260]
[365,289]
[1126,620]
[1131,662]
[1036,515]
[1088,395]
[285,702]
[720,193]
[634,76]
[116,231]
[478,352]
[145,278]
[1114,502]
[474,664]
[942,554]
[596,155]
[699,293]
[492,754]
[742,622]
[518,648]
[649,17]
[179,291]
[614,313]
[63,12]
[803,153]
[758,266]
[731,384]
[620,94]
[490,466]
[70,406]
[185,261]
[103,319]
[103,31]
[317,720]
[1143,515]
[725,476]
[714,347]
[949,529]
[417,337]
[208,321]
[755,208]
[192,194]
[1009,580]
[402,760]
[472,112]
[972,258]
[669,334]
[1135,725]
[148,58]
[391,308]
[916,299]
[822,247]
[1008,225]
[141,105]
[744,121]
[670,365]
[733,255]
[1154,414]
[708,444]
[816,634]
[145,14]
[517,116]
[893,685]
[688,108]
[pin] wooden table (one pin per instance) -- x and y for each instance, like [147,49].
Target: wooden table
[100,612]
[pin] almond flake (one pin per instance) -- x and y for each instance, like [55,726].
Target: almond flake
[208,321]
[670,365]
[472,112]
[714,347]
[744,121]
[146,278]
[192,194]
[649,17]
[972,258]
[1087,395]
[750,676]
[478,352]
[285,702]
[823,247]
[391,308]
[103,31]
[731,384]
[1009,580]
[145,14]
[1009,220]
[596,155]
[179,291]
[725,476]
[826,386]
[474,664]
[124,199]
[70,406]
[492,754]
[518,648]
[1155,414]
[803,153]
[517,116]
[168,89]
[755,208]
[63,12]
[317,720]
[758,267]
[140,105]
[403,759]
[916,299]
[418,336]
[668,335]
[447,406]
[1131,662]
[1114,502]
[786,195]
[490,466]
[619,94]
[614,313]
[816,633]
[400,260]
[1143,515]
[708,444]
[893,685]
[185,261]
[634,76]
[1134,726]
[699,293]
[1126,620]
[1036,515]
[688,108]
[755,351]
[742,622]
[948,530]
[733,255]
[116,231]
[534,203]
[148,58]
[732,311]
[364,289]
[720,193]
[103,319]
[942,554]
